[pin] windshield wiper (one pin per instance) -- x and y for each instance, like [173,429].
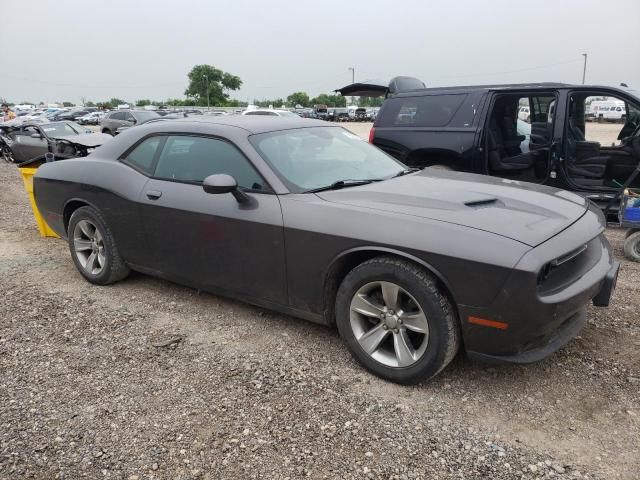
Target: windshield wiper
[406,172]
[342,184]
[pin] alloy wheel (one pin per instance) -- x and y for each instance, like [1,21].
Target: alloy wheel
[389,324]
[88,247]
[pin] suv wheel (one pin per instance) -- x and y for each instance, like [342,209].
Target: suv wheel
[93,248]
[395,320]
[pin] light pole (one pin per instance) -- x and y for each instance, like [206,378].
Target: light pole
[207,79]
[353,78]
[584,69]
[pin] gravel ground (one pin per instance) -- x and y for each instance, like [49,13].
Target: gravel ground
[149,380]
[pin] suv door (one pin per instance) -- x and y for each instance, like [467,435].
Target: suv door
[213,241]
[601,156]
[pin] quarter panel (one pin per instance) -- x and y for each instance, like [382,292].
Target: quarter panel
[111,187]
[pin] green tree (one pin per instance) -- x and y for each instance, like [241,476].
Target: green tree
[370,101]
[329,100]
[208,80]
[89,104]
[278,102]
[143,102]
[68,104]
[299,98]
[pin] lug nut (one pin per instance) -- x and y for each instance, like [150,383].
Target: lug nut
[395,330]
[384,327]
[399,321]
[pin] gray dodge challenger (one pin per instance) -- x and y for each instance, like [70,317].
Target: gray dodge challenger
[307,219]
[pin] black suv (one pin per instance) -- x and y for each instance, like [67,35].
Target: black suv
[536,133]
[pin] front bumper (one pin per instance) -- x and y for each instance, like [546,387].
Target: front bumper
[539,317]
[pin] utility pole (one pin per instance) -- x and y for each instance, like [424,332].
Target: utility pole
[207,79]
[353,78]
[584,69]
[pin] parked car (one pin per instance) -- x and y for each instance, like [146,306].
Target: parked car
[360,115]
[474,129]
[311,221]
[91,118]
[270,112]
[524,114]
[30,140]
[112,121]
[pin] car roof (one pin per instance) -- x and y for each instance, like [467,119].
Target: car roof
[256,123]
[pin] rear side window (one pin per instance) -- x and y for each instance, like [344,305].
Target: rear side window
[425,111]
[142,156]
[192,159]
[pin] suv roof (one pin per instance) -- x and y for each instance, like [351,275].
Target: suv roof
[408,86]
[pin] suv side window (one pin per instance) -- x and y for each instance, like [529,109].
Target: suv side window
[117,116]
[142,156]
[424,111]
[191,159]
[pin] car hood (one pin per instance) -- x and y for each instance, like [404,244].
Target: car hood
[89,139]
[524,212]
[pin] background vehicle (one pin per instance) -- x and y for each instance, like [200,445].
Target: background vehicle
[475,129]
[290,230]
[523,114]
[270,112]
[30,140]
[360,115]
[611,110]
[91,118]
[112,121]
[321,112]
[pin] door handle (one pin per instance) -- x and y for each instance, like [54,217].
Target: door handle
[154,194]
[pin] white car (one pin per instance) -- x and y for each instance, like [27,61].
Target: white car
[270,112]
[92,118]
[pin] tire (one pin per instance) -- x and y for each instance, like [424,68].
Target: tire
[89,235]
[632,246]
[107,131]
[7,154]
[417,293]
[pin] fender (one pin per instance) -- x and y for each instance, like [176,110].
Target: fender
[392,251]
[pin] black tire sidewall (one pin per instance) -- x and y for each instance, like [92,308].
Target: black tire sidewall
[90,214]
[631,246]
[434,357]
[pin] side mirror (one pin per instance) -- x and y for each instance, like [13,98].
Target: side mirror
[223,183]
[35,135]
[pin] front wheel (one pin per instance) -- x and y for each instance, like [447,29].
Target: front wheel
[396,321]
[93,248]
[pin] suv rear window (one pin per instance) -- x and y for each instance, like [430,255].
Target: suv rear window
[425,111]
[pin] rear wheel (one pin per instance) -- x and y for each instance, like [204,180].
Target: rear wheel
[107,131]
[632,246]
[396,321]
[93,248]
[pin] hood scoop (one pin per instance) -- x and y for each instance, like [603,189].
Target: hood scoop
[484,203]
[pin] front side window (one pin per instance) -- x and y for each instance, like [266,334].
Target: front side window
[192,159]
[309,158]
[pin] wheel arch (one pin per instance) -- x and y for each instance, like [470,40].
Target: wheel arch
[346,261]
[71,206]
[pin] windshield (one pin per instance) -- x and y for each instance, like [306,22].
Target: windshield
[310,158]
[144,116]
[63,129]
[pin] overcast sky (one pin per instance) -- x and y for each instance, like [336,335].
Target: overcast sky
[67,49]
